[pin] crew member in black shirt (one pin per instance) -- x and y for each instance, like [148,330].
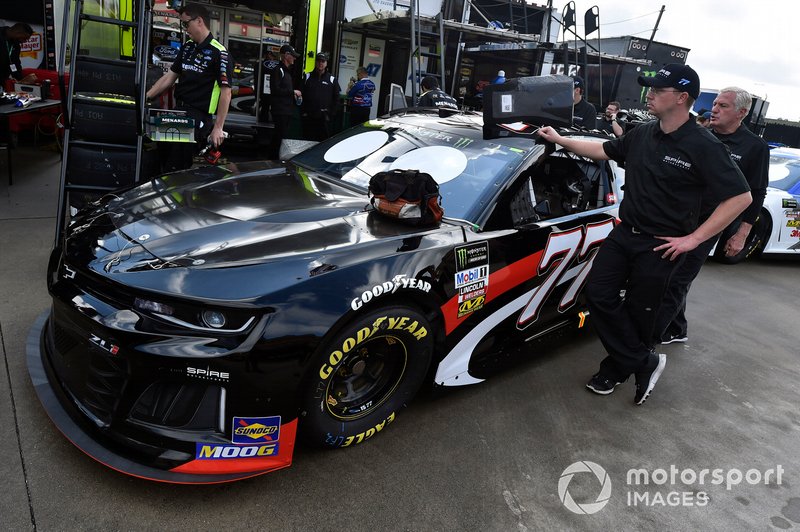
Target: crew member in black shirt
[320,100]
[433,96]
[283,98]
[669,164]
[609,122]
[583,113]
[266,68]
[10,40]
[751,155]
[204,72]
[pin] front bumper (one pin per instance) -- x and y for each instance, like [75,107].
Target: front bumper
[209,459]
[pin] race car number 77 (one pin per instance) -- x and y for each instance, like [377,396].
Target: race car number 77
[560,250]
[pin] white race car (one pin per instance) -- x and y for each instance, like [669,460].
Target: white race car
[777,229]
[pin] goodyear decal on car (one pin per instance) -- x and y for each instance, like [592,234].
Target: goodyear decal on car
[793,223]
[390,287]
[207,451]
[384,323]
[472,276]
[256,429]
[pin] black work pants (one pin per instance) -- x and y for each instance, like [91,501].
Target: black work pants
[671,318]
[316,126]
[626,261]
[279,132]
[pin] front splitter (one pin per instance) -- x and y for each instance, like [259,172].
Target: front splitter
[84,441]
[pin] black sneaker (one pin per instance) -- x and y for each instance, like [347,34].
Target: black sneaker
[674,338]
[600,384]
[645,382]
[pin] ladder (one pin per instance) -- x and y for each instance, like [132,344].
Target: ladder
[431,36]
[103,105]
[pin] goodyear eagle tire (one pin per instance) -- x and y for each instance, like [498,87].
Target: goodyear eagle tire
[360,379]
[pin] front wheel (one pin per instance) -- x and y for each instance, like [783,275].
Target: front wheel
[361,378]
[753,246]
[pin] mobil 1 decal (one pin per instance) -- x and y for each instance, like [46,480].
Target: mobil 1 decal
[472,276]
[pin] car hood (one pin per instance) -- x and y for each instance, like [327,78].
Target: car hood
[230,215]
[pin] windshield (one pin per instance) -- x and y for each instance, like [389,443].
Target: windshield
[784,173]
[469,170]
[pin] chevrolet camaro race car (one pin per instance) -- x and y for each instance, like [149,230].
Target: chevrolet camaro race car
[204,319]
[777,229]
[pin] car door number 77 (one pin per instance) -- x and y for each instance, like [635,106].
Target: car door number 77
[561,249]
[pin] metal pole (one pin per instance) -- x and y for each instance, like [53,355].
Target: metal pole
[599,57]
[653,35]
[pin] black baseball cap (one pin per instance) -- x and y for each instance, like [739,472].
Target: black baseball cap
[577,83]
[322,56]
[676,76]
[287,49]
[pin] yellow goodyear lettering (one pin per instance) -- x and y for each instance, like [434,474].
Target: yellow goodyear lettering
[370,432]
[365,333]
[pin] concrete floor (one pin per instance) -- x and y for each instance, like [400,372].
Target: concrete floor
[486,457]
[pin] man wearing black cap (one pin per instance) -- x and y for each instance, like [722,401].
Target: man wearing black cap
[204,72]
[583,113]
[669,164]
[751,154]
[320,100]
[283,96]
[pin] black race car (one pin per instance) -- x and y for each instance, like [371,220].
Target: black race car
[203,319]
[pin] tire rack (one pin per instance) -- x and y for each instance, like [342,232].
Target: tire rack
[115,161]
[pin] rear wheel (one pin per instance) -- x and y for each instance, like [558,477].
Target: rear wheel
[361,378]
[753,246]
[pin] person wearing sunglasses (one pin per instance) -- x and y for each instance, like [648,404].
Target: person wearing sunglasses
[203,70]
[670,163]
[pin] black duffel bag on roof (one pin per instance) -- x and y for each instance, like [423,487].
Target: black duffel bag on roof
[409,196]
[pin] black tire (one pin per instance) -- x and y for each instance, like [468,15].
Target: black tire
[360,379]
[756,241]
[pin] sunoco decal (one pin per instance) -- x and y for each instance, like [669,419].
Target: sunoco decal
[256,429]
[225,452]
[472,276]
[390,287]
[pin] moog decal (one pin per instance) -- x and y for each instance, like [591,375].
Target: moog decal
[227,452]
